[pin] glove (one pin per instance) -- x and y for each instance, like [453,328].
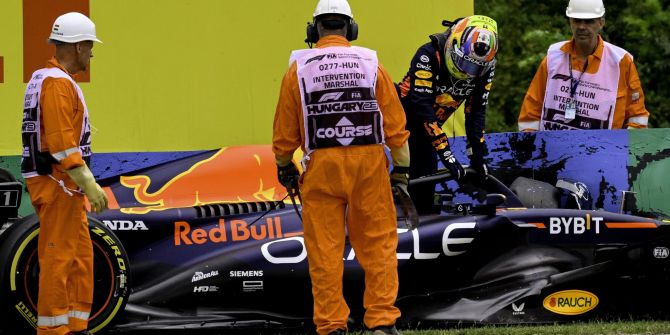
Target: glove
[476,152]
[83,177]
[450,162]
[480,167]
[441,145]
[288,176]
[400,175]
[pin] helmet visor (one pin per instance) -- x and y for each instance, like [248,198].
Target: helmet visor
[468,65]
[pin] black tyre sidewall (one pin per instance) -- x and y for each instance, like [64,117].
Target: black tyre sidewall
[17,266]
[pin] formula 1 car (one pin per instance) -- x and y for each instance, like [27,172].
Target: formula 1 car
[210,241]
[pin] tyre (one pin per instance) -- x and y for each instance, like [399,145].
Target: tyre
[19,276]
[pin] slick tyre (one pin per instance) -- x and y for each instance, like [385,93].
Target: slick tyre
[19,276]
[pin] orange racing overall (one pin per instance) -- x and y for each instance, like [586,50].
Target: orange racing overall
[56,137]
[345,189]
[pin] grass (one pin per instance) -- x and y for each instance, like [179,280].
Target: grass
[585,328]
[618,328]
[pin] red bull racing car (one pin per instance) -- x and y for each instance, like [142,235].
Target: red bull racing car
[210,241]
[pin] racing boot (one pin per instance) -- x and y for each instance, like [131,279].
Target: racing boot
[385,330]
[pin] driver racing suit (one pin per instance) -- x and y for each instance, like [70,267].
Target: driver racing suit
[430,95]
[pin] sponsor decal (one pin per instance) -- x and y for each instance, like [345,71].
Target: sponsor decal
[252,285]
[332,96]
[204,289]
[661,252]
[198,276]
[475,60]
[234,230]
[252,273]
[424,58]
[561,77]
[423,90]
[451,246]
[423,74]
[344,131]
[315,58]
[112,244]
[518,309]
[125,225]
[488,86]
[574,225]
[193,186]
[423,66]
[424,83]
[570,302]
[26,313]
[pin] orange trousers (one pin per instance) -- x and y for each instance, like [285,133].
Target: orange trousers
[350,186]
[65,256]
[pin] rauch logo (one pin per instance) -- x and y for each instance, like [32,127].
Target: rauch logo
[570,302]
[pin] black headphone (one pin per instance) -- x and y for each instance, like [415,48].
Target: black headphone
[313,33]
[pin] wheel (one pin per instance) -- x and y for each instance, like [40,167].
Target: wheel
[19,276]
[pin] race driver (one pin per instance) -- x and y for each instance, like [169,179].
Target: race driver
[455,67]
[339,104]
[56,150]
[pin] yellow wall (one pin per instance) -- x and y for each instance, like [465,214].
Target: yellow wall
[201,74]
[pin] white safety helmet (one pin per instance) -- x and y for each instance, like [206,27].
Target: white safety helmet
[585,9]
[73,27]
[333,7]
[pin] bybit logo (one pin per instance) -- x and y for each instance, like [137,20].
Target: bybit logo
[574,225]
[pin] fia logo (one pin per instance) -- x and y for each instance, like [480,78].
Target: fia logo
[661,252]
[518,310]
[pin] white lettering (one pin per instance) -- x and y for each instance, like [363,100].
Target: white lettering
[125,225]
[265,250]
[554,226]
[446,240]
[579,226]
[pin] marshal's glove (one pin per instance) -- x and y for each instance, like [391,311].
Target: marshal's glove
[83,177]
[288,176]
[400,175]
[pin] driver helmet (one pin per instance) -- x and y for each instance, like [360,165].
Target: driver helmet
[471,46]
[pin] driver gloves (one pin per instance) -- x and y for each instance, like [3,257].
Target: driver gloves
[476,155]
[441,145]
[451,163]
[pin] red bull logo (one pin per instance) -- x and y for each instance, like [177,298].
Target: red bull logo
[235,230]
[233,174]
